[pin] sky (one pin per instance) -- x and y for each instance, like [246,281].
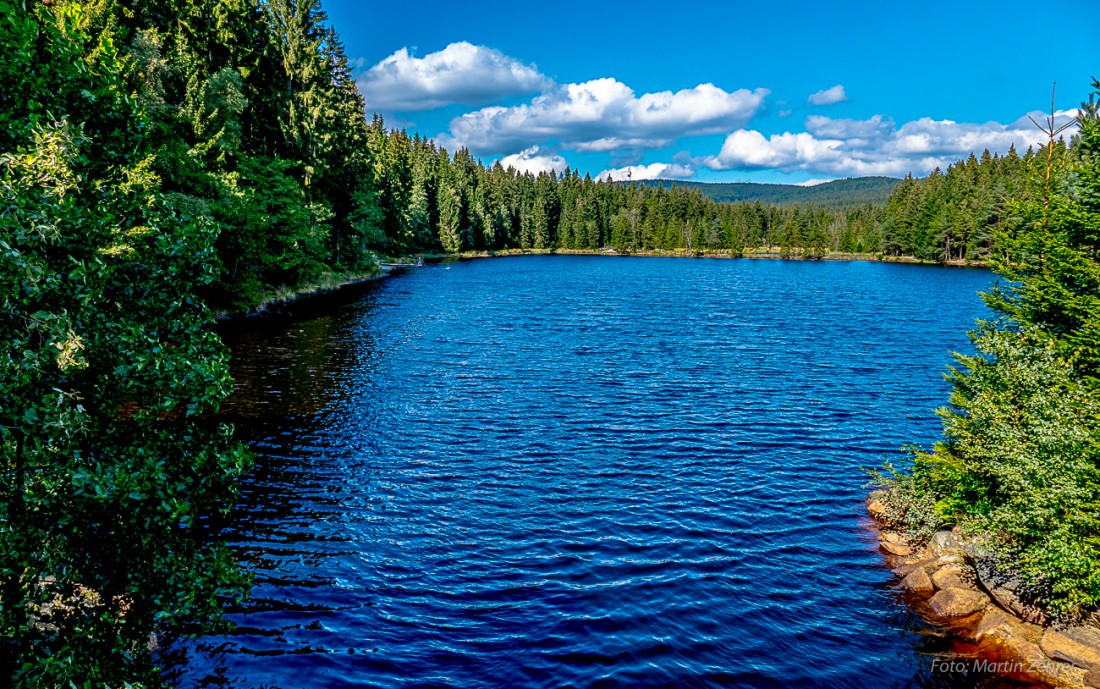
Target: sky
[780,91]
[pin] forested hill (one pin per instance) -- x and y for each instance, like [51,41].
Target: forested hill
[838,194]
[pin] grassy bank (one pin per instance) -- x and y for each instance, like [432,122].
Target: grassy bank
[281,296]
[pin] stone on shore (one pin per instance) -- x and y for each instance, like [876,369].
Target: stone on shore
[1017,639]
[898,549]
[1078,645]
[1092,678]
[1007,599]
[951,559]
[904,570]
[992,619]
[917,581]
[876,508]
[958,602]
[944,542]
[952,577]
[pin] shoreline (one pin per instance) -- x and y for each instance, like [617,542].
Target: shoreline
[329,284]
[332,283]
[947,582]
[773,253]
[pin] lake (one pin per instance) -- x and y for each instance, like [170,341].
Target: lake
[583,471]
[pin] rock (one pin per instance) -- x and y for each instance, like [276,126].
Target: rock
[977,550]
[990,621]
[876,508]
[1062,675]
[953,577]
[917,581]
[896,548]
[904,570]
[1077,645]
[951,559]
[1092,678]
[944,542]
[958,602]
[892,537]
[1007,599]
[1015,639]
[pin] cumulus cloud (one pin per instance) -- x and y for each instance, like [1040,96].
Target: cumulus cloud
[828,96]
[828,128]
[533,160]
[637,173]
[876,146]
[605,115]
[460,73]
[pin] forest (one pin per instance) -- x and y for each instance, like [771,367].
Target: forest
[161,161]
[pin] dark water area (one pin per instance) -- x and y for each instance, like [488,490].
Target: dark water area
[585,472]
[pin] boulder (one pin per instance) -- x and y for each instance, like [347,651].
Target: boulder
[951,559]
[1077,645]
[892,537]
[1092,678]
[876,508]
[1007,599]
[904,570]
[944,542]
[958,602]
[992,619]
[1005,588]
[1014,639]
[953,576]
[917,581]
[898,549]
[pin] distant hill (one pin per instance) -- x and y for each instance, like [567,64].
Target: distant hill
[841,193]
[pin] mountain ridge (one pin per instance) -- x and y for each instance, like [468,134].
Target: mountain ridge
[841,193]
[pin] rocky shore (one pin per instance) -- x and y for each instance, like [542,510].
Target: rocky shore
[951,583]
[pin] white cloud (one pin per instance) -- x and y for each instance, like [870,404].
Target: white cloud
[828,128]
[875,146]
[813,182]
[460,73]
[828,96]
[534,161]
[637,173]
[604,115]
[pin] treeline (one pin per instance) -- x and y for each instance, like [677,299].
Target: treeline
[261,135]
[956,215]
[432,201]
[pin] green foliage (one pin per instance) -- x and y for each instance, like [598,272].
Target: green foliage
[910,506]
[108,366]
[955,215]
[1019,466]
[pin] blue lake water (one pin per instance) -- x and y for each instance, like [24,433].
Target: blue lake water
[584,472]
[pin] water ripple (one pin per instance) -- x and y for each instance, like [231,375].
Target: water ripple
[586,472]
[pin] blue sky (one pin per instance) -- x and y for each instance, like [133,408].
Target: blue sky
[788,92]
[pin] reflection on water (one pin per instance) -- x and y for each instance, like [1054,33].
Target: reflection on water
[582,471]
